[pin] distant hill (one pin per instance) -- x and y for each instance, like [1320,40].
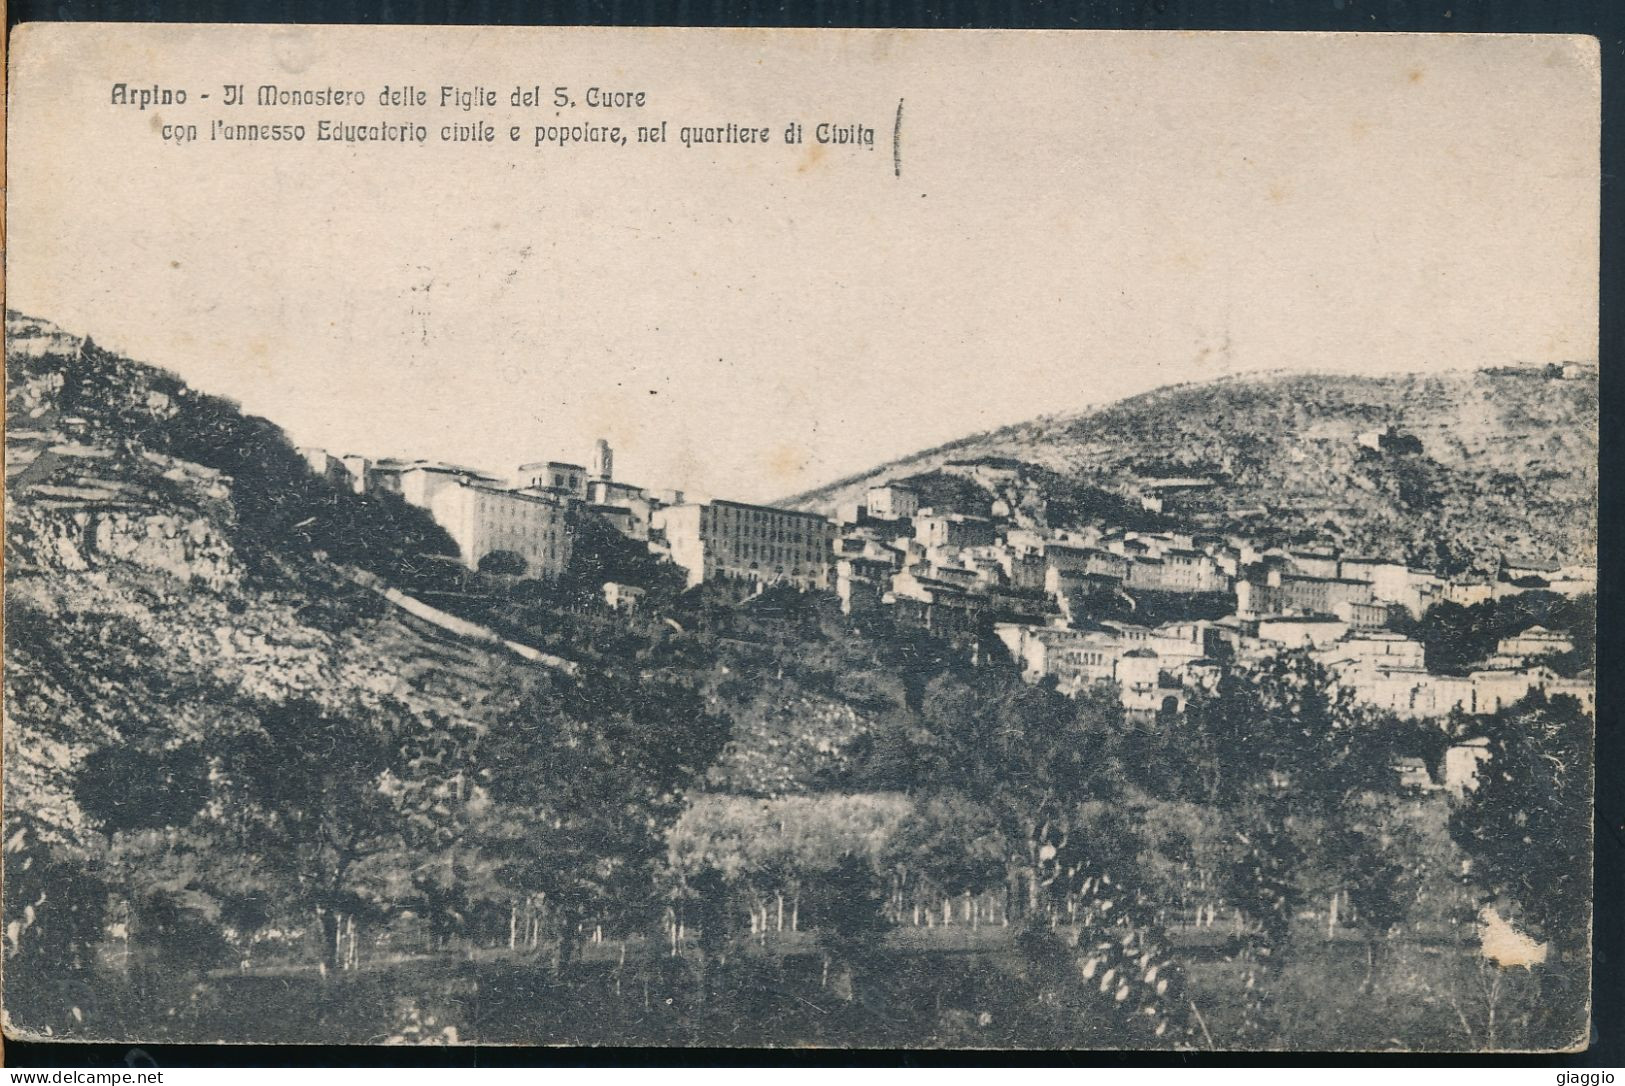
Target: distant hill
[1455,470]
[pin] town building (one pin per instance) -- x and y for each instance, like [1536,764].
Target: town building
[1302,631]
[1175,643]
[418,482]
[1283,594]
[1411,774]
[554,476]
[1023,571]
[1374,650]
[359,471]
[1318,562]
[349,472]
[1574,580]
[1533,642]
[484,519]
[953,530]
[1496,689]
[892,501]
[634,505]
[1178,570]
[1363,616]
[1582,688]
[1461,766]
[1190,494]
[757,543]
[603,462]
[991,472]
[861,582]
[1079,595]
[935,605]
[618,517]
[1390,581]
[1466,593]
[625,598]
[1411,692]
[1074,658]
[324,466]
[1066,558]
[1079,658]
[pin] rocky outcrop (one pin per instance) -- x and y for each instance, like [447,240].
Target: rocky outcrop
[77,535]
[139,602]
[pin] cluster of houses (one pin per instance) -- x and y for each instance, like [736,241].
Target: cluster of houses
[962,571]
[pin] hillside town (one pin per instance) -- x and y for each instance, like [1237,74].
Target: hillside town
[1152,611]
[960,691]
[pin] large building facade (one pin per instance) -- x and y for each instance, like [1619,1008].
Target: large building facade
[749,542]
[485,520]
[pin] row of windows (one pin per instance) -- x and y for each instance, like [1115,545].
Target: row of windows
[764,550]
[521,532]
[759,567]
[511,512]
[776,535]
[754,521]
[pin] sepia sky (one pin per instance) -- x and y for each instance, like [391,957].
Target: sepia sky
[1078,217]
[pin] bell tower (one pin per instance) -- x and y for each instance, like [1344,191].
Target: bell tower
[603,461]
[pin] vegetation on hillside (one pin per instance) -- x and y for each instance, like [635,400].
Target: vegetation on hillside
[234,778]
[1477,465]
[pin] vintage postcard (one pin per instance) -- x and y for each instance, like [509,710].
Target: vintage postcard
[800,538]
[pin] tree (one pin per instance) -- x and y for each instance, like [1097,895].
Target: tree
[1458,638]
[1527,825]
[1032,754]
[949,843]
[1380,860]
[503,563]
[588,775]
[55,908]
[1281,724]
[327,790]
[851,920]
[1263,876]
[129,788]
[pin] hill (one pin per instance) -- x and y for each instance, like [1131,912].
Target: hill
[1455,471]
[173,568]
[161,588]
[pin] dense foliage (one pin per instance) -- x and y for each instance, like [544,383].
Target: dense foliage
[1456,638]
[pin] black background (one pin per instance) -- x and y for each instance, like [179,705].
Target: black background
[1603,18]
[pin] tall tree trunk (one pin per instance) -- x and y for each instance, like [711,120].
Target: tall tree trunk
[569,940]
[327,923]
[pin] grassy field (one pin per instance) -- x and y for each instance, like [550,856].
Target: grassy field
[954,987]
